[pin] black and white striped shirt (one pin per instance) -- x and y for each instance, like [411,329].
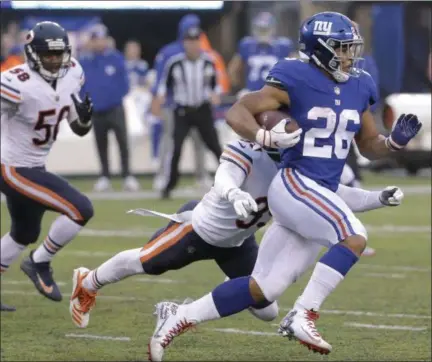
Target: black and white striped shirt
[191,81]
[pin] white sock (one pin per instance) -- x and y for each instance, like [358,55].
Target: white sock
[201,310]
[10,251]
[322,282]
[61,232]
[120,266]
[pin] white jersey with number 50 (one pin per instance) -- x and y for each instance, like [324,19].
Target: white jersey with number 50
[214,218]
[31,112]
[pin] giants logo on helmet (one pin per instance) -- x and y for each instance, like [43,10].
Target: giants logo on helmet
[322,27]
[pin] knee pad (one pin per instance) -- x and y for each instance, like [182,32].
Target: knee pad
[25,234]
[85,208]
[266,314]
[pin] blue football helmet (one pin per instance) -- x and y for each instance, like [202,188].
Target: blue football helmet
[333,42]
[48,50]
[264,27]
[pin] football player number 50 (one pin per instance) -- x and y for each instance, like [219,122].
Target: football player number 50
[342,136]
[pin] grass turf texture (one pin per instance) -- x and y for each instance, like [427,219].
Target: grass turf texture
[391,289]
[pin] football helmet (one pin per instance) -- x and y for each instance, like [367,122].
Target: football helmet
[264,27]
[333,42]
[48,50]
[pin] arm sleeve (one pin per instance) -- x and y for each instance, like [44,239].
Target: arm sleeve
[228,177]
[359,200]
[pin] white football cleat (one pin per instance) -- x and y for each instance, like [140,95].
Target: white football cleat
[171,322]
[131,184]
[103,184]
[82,300]
[299,324]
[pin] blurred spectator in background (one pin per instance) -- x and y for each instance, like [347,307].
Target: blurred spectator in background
[256,54]
[11,52]
[430,67]
[222,74]
[194,94]
[107,82]
[167,52]
[138,71]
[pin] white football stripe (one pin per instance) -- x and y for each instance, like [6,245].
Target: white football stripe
[383,326]
[93,336]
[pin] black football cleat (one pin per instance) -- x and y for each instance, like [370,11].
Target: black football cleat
[41,274]
[7,308]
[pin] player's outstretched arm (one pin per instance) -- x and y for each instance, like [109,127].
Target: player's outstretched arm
[374,145]
[241,117]
[360,200]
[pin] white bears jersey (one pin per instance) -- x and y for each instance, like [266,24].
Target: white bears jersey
[214,218]
[32,111]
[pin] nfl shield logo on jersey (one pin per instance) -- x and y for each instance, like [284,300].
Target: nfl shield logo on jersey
[337,90]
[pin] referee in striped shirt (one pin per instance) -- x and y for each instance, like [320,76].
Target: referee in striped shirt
[191,77]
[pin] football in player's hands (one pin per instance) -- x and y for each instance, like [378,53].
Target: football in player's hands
[278,130]
[269,119]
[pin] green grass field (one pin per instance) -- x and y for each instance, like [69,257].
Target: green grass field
[382,311]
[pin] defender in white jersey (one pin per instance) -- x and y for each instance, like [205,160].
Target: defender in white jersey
[220,227]
[35,97]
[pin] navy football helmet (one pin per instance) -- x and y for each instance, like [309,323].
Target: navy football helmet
[264,27]
[48,50]
[333,42]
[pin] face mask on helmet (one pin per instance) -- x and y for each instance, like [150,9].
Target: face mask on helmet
[341,58]
[51,60]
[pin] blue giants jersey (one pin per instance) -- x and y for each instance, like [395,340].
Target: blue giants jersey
[259,58]
[329,114]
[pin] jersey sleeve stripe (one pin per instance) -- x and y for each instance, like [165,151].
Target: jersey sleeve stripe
[245,164]
[12,89]
[240,152]
[9,96]
[235,163]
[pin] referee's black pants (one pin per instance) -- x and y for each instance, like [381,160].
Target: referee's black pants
[184,119]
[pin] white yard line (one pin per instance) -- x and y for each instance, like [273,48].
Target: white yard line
[25,282]
[157,280]
[400,268]
[384,326]
[93,336]
[323,311]
[383,275]
[192,193]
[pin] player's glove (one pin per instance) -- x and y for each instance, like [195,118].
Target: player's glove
[391,196]
[243,203]
[84,109]
[404,129]
[277,137]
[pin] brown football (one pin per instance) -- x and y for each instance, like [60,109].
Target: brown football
[269,119]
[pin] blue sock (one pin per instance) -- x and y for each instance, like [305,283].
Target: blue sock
[339,258]
[156,135]
[233,296]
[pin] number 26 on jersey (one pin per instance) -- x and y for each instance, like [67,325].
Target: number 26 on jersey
[342,136]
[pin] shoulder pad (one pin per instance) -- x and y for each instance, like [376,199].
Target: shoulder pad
[12,82]
[286,73]
[371,87]
[284,40]
[247,40]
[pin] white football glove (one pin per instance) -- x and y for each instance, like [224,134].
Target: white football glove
[243,203]
[391,196]
[277,137]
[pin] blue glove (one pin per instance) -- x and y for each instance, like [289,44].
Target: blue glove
[405,128]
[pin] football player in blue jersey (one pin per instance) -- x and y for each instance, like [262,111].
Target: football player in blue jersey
[256,54]
[329,96]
